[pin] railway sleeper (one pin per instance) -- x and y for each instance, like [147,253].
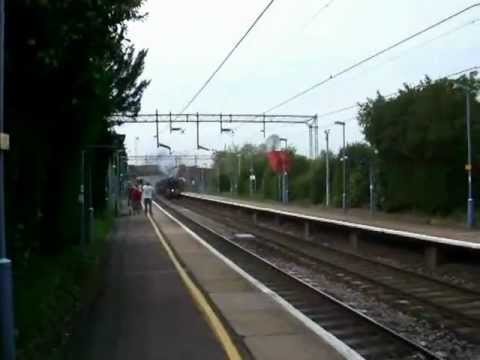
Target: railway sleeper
[346,331]
[336,323]
[420,290]
[453,299]
[475,312]
[319,316]
[469,332]
[285,292]
[369,351]
[468,303]
[311,310]
[374,340]
[300,304]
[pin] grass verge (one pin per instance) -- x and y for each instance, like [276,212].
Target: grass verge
[50,292]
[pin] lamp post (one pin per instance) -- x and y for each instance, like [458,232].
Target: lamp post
[372,168]
[327,172]
[284,176]
[217,161]
[238,172]
[6,286]
[137,139]
[252,178]
[81,200]
[468,166]
[470,201]
[218,179]
[344,160]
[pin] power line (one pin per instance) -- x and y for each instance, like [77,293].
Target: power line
[226,58]
[471,22]
[333,112]
[324,7]
[378,53]
[354,106]
[420,45]
[473,68]
[326,126]
[446,33]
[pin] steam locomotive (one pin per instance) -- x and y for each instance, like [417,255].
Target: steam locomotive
[170,187]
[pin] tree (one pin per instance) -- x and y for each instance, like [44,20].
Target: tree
[360,159]
[69,66]
[299,176]
[421,142]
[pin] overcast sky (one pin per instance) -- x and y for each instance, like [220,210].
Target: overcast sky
[289,50]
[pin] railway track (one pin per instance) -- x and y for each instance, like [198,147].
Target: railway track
[452,306]
[363,334]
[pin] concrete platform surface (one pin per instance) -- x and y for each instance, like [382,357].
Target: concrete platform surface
[145,312]
[266,330]
[410,224]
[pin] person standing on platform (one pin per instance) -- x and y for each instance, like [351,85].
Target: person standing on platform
[131,189]
[136,199]
[147,197]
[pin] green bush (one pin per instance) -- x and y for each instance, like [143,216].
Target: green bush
[300,188]
[420,136]
[49,290]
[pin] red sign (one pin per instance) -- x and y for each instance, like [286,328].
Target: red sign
[280,161]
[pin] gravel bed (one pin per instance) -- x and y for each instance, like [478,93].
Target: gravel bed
[467,276]
[443,342]
[458,274]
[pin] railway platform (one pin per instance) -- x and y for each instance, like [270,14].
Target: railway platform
[360,217]
[436,240]
[169,296]
[144,311]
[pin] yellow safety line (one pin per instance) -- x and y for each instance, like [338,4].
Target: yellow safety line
[213,320]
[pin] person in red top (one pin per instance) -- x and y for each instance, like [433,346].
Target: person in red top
[136,199]
[130,198]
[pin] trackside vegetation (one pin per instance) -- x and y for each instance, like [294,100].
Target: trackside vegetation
[69,67]
[415,150]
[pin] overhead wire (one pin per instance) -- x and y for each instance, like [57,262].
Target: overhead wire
[442,35]
[326,126]
[321,9]
[354,106]
[307,23]
[230,53]
[351,107]
[317,13]
[420,45]
[371,57]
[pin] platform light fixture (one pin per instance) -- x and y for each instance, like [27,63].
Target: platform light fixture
[344,161]
[468,166]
